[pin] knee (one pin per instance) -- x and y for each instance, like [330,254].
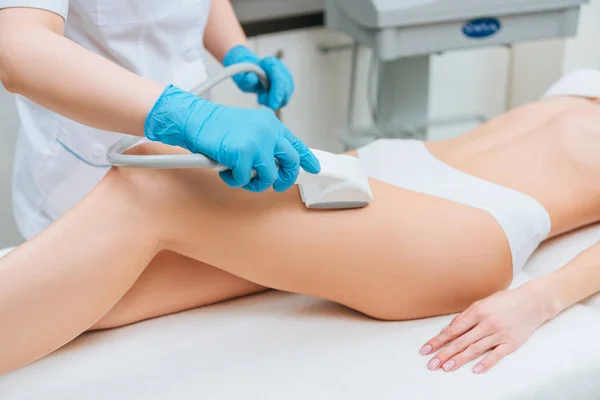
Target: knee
[110,321]
[103,324]
[117,318]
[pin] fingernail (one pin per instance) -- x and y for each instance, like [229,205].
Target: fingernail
[478,369]
[433,364]
[448,365]
[425,350]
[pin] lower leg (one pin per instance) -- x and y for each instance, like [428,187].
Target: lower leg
[57,285]
[173,283]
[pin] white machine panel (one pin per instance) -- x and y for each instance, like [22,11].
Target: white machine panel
[387,13]
[403,28]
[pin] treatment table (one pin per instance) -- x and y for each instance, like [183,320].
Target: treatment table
[284,346]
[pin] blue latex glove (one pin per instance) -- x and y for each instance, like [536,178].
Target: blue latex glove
[238,138]
[280,79]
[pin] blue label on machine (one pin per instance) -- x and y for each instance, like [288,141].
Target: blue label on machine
[482,28]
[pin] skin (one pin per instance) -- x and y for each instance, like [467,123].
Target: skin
[223,30]
[502,322]
[230,242]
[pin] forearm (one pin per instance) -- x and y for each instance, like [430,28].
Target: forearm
[223,30]
[36,61]
[60,283]
[571,284]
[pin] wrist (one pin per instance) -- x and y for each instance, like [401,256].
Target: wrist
[239,53]
[169,119]
[542,291]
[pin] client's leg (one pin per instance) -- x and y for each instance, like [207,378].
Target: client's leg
[79,274]
[173,283]
[57,285]
[405,256]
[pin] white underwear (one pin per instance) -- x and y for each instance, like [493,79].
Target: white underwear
[409,165]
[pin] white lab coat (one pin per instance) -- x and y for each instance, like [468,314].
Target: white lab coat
[58,161]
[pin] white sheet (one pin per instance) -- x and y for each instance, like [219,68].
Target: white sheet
[283,346]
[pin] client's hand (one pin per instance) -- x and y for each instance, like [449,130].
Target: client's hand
[501,323]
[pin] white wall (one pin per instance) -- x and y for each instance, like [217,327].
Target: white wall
[535,66]
[584,50]
[463,83]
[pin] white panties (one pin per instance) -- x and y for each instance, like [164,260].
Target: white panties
[409,165]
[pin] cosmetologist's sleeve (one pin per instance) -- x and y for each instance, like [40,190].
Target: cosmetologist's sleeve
[60,7]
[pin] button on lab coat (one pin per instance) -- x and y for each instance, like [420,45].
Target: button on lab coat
[58,161]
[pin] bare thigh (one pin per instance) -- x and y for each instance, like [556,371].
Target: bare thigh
[173,283]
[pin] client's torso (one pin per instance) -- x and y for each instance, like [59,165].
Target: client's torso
[549,150]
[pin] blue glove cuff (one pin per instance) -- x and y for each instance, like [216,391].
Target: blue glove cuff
[237,54]
[167,121]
